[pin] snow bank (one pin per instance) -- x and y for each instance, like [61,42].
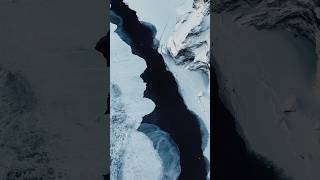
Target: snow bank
[167,150]
[127,109]
[140,160]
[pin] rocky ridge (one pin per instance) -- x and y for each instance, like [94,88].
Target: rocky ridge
[189,44]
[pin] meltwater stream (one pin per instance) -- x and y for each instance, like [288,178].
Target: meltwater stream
[170,114]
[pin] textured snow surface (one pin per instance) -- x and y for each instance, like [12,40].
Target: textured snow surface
[167,150]
[160,13]
[140,160]
[127,109]
[190,41]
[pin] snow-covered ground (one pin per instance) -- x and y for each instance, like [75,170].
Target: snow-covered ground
[179,17]
[162,14]
[190,42]
[128,106]
[167,150]
[141,161]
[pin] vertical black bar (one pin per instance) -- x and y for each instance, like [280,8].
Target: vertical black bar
[53,90]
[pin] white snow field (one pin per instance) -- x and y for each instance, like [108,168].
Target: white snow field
[167,150]
[141,161]
[132,153]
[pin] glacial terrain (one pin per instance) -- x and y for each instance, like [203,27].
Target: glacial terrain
[177,130]
[183,34]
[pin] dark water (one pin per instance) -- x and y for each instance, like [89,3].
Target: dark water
[170,114]
[231,157]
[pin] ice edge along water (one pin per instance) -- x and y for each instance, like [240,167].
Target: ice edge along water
[147,154]
[190,28]
[127,109]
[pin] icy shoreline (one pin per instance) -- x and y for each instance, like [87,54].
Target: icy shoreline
[127,109]
[193,82]
[170,110]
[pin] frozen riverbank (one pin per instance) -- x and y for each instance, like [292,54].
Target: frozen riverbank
[179,17]
[170,114]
